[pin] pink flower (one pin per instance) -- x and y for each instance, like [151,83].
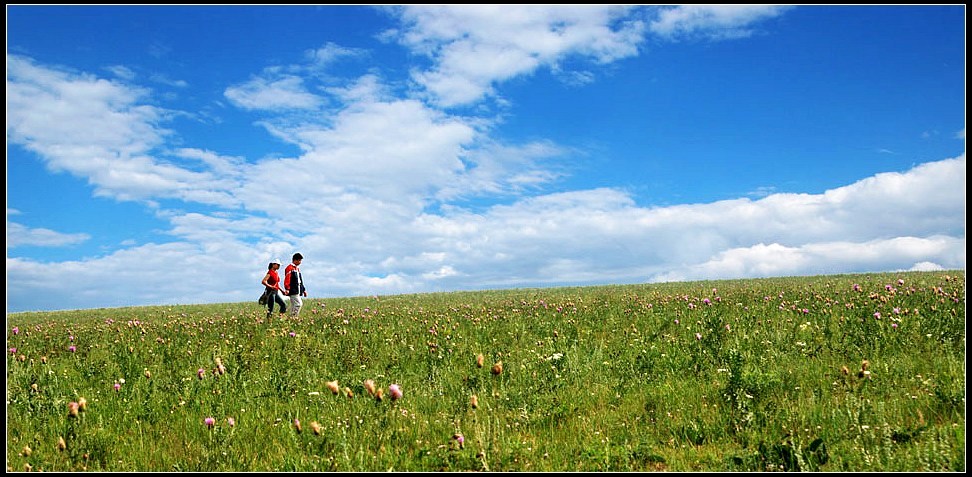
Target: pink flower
[395,392]
[201,373]
[877,315]
[856,287]
[72,348]
[210,422]
[13,350]
[15,330]
[894,325]
[73,409]
[698,336]
[117,386]
[231,421]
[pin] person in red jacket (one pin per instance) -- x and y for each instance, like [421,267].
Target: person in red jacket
[294,283]
[272,281]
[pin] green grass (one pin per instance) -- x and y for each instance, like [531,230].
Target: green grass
[735,375]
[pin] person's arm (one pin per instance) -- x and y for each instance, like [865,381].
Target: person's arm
[265,282]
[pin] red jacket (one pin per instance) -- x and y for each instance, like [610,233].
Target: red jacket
[293,281]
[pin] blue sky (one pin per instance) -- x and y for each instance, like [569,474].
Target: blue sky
[165,154]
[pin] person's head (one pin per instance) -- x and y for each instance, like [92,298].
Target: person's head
[298,257]
[274,264]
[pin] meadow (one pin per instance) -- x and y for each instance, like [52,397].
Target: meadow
[828,373]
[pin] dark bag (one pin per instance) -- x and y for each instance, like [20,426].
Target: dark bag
[265,297]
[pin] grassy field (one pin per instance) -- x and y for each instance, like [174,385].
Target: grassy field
[829,373]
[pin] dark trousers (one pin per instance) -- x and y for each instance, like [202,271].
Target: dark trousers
[280,301]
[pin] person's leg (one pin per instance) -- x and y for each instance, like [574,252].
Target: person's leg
[278,297]
[295,304]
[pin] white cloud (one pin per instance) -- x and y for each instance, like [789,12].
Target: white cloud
[714,22]
[273,94]
[101,131]
[473,47]
[20,235]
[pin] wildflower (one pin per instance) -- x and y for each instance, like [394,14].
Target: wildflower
[72,348]
[676,321]
[201,372]
[13,350]
[479,360]
[698,336]
[210,422]
[117,387]
[316,427]
[877,315]
[333,386]
[61,445]
[459,440]
[73,409]
[27,451]
[894,325]
[297,425]
[497,368]
[856,287]
[900,281]
[231,422]
[473,401]
[15,330]
[348,392]
[148,374]
[379,395]
[394,392]
[82,404]
[369,386]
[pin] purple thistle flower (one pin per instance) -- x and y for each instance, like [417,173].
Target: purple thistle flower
[15,330]
[72,348]
[210,422]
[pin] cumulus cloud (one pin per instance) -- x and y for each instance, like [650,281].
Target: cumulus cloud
[99,130]
[19,235]
[279,93]
[713,22]
[474,47]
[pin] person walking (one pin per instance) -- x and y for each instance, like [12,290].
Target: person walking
[272,281]
[294,283]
